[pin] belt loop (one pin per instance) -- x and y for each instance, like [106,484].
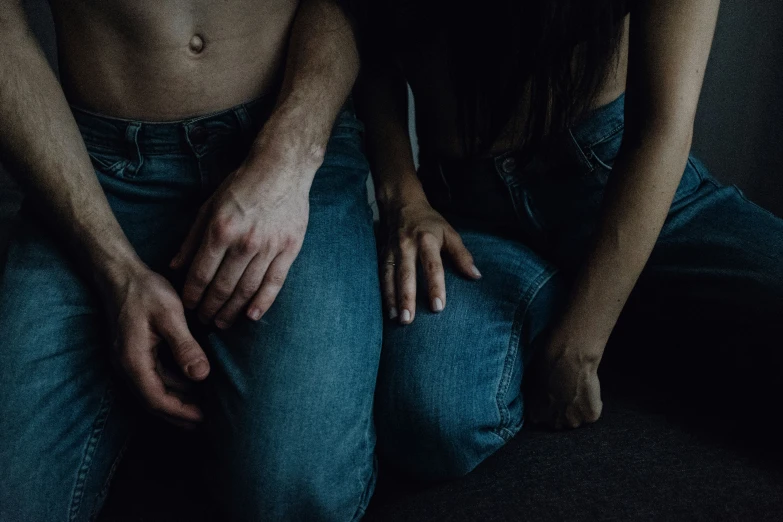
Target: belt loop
[134,150]
[244,119]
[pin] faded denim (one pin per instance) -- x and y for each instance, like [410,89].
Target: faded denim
[450,384]
[289,401]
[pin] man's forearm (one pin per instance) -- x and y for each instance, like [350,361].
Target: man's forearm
[40,142]
[321,68]
[644,180]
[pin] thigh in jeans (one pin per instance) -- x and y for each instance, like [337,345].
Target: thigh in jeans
[62,428]
[716,275]
[449,387]
[291,395]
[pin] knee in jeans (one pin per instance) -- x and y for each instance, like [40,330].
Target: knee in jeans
[431,441]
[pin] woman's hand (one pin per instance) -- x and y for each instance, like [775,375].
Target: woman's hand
[567,391]
[417,232]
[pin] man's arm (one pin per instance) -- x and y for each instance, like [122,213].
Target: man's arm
[669,45]
[40,142]
[250,231]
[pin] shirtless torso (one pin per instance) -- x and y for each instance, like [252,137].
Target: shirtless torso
[152,60]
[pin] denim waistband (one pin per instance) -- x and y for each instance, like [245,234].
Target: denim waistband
[198,134]
[595,127]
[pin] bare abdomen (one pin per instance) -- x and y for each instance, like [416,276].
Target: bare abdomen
[161,61]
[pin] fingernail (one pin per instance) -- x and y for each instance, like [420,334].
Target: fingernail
[437,304]
[175,262]
[198,369]
[393,313]
[222,324]
[406,316]
[254,314]
[475,271]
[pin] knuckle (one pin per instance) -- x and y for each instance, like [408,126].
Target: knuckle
[432,266]
[245,292]
[249,244]
[199,279]
[425,237]
[290,242]
[406,274]
[275,278]
[221,229]
[406,243]
[220,292]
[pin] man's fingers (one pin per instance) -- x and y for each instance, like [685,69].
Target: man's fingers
[203,269]
[223,285]
[246,288]
[138,362]
[172,379]
[186,351]
[388,285]
[460,255]
[406,282]
[429,256]
[193,239]
[271,285]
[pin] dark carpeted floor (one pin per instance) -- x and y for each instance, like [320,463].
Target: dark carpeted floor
[634,464]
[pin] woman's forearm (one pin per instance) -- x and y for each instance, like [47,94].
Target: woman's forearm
[382,100]
[645,177]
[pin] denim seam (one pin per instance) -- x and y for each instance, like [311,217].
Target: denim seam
[580,152]
[606,137]
[106,483]
[132,139]
[89,452]
[503,431]
[756,205]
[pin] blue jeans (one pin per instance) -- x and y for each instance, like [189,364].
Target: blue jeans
[288,404]
[450,384]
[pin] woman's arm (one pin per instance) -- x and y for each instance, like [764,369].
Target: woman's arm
[415,232]
[669,45]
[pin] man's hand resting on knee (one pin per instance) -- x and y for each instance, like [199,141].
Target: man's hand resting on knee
[249,232]
[246,237]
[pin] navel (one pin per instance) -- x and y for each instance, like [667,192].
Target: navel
[196,44]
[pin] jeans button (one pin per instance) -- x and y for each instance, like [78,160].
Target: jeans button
[508,165]
[198,135]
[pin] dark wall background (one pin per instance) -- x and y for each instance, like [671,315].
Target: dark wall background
[739,127]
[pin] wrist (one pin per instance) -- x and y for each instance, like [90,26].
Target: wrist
[403,191]
[113,271]
[291,137]
[574,339]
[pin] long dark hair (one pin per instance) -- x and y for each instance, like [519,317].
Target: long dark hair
[550,55]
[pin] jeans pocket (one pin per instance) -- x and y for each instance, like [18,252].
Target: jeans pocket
[602,152]
[109,162]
